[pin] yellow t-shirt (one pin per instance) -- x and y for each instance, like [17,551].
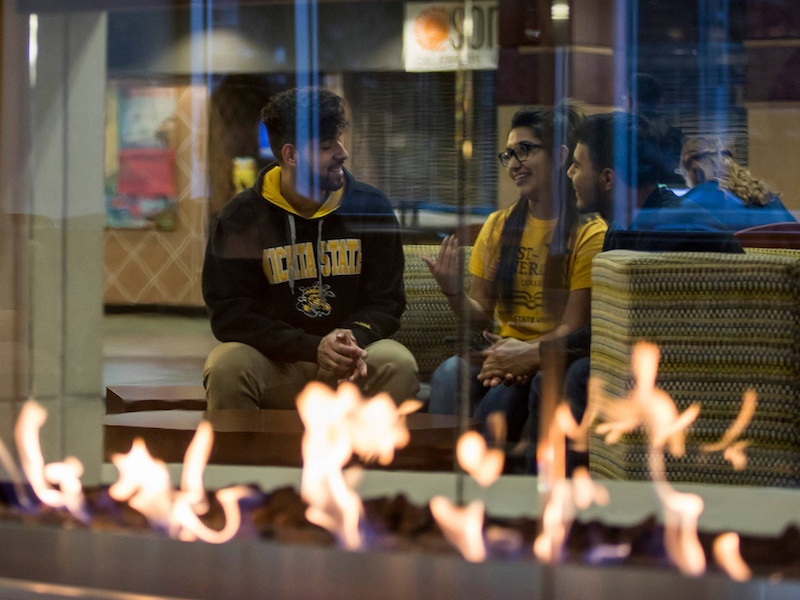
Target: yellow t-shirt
[528,318]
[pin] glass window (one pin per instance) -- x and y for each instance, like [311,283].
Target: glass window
[483,206]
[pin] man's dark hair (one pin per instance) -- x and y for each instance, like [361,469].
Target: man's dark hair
[321,109]
[623,142]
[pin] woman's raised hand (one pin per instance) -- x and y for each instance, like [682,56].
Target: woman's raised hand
[445,268]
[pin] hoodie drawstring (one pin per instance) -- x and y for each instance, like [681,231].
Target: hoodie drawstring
[293,252]
[319,255]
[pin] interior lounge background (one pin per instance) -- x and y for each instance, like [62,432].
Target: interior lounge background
[728,68]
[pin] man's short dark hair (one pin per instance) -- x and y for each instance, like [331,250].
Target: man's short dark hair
[623,142]
[320,108]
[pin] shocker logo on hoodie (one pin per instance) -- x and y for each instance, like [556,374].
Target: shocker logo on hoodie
[313,300]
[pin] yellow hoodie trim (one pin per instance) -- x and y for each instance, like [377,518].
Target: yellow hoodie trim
[271,190]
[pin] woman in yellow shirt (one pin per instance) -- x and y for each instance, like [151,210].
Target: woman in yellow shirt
[530,267]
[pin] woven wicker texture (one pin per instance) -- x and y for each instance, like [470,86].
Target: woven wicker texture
[724,323]
[428,327]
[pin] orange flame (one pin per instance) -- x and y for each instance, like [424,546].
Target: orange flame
[193,528]
[565,495]
[578,433]
[733,451]
[145,483]
[735,455]
[65,474]
[556,520]
[665,426]
[327,448]
[681,512]
[462,526]
[337,425]
[749,402]
[586,491]
[194,463]
[559,512]
[482,464]
[727,555]
[378,427]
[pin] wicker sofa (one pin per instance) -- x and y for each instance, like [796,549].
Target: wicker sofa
[428,327]
[724,323]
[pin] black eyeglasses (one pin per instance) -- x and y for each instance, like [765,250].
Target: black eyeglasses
[521,151]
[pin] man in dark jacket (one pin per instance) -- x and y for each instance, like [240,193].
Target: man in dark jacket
[303,273]
[646,98]
[615,172]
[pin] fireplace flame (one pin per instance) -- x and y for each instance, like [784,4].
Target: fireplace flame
[378,427]
[145,483]
[565,496]
[462,526]
[681,512]
[327,448]
[578,433]
[654,409]
[556,519]
[733,450]
[194,465]
[338,425]
[193,528]
[586,491]
[735,455]
[749,402]
[483,464]
[66,475]
[559,512]
[726,553]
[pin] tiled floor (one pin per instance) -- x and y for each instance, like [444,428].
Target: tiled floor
[155,349]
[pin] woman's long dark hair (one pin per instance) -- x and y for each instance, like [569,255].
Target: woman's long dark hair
[555,129]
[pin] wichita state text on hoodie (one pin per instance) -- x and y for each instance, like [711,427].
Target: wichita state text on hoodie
[348,270]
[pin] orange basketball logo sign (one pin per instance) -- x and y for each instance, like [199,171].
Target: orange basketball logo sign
[432,29]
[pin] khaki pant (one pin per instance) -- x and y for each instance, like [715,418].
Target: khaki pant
[239,376]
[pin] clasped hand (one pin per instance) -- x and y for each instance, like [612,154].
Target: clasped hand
[339,353]
[508,360]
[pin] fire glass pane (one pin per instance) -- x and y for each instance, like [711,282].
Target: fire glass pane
[538,246]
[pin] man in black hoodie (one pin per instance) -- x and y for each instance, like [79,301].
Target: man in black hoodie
[303,273]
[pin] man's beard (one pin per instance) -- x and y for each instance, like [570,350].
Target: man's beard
[327,181]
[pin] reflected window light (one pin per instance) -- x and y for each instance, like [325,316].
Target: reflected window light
[33,47]
[559,11]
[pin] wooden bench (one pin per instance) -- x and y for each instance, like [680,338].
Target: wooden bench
[167,417]
[134,398]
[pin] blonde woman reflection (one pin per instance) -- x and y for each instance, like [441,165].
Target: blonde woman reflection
[530,267]
[726,189]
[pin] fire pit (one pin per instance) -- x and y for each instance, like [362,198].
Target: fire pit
[41,561]
[289,542]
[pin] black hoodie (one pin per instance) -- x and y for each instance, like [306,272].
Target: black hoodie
[348,271]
